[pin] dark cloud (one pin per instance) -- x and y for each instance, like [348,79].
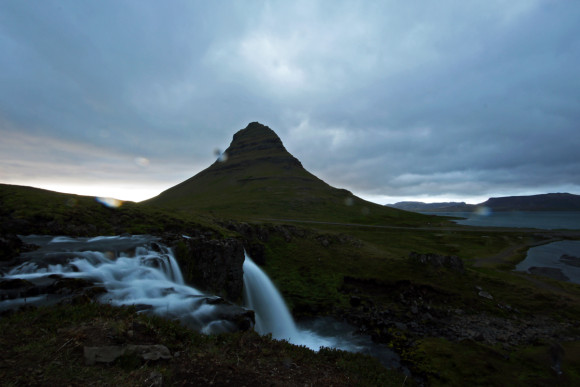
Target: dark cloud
[388,99]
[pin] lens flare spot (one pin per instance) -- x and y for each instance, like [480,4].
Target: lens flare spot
[142,161]
[110,202]
[483,211]
[349,201]
[365,211]
[222,157]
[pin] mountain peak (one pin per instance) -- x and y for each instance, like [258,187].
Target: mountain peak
[255,129]
[257,143]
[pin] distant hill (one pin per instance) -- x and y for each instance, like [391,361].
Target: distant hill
[543,202]
[433,207]
[258,178]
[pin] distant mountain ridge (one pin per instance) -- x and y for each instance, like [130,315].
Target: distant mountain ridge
[433,207]
[542,202]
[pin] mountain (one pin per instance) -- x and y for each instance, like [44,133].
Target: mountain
[433,207]
[543,202]
[257,177]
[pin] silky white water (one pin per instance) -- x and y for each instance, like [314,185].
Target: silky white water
[260,295]
[272,316]
[143,277]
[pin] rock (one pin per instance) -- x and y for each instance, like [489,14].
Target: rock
[213,265]
[435,260]
[550,272]
[400,326]
[323,241]
[485,294]
[155,379]
[355,301]
[108,354]
[570,260]
[10,247]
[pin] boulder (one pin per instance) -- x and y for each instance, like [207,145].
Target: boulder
[110,353]
[10,246]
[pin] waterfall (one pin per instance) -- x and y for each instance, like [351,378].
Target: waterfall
[272,316]
[136,270]
[140,273]
[260,294]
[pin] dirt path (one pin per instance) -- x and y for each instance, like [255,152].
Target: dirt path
[503,255]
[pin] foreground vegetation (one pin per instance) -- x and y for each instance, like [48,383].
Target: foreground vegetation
[365,275]
[439,319]
[45,347]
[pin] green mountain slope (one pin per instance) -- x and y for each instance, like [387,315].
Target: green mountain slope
[258,178]
[28,210]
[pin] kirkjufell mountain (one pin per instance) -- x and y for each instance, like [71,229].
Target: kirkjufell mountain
[258,178]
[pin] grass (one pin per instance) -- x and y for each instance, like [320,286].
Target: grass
[45,347]
[28,210]
[317,270]
[452,364]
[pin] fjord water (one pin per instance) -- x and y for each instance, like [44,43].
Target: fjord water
[545,256]
[550,256]
[545,220]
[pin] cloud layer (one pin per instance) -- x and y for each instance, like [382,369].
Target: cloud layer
[391,100]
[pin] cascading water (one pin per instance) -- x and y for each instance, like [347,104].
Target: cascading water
[260,295]
[272,316]
[139,274]
[135,270]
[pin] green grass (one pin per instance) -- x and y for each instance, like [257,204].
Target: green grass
[45,347]
[312,270]
[454,363]
[28,210]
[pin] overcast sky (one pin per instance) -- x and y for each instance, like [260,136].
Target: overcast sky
[393,100]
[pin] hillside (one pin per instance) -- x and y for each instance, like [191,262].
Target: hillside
[258,178]
[543,202]
[28,210]
[433,207]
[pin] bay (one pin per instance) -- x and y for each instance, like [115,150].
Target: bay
[562,256]
[545,220]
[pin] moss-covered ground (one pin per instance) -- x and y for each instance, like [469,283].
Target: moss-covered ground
[45,347]
[326,269]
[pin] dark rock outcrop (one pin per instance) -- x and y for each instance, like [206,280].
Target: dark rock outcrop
[435,260]
[212,265]
[110,353]
[549,272]
[11,246]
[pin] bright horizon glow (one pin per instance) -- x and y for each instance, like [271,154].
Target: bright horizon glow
[133,193]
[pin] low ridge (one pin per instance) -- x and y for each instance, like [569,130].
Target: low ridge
[257,177]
